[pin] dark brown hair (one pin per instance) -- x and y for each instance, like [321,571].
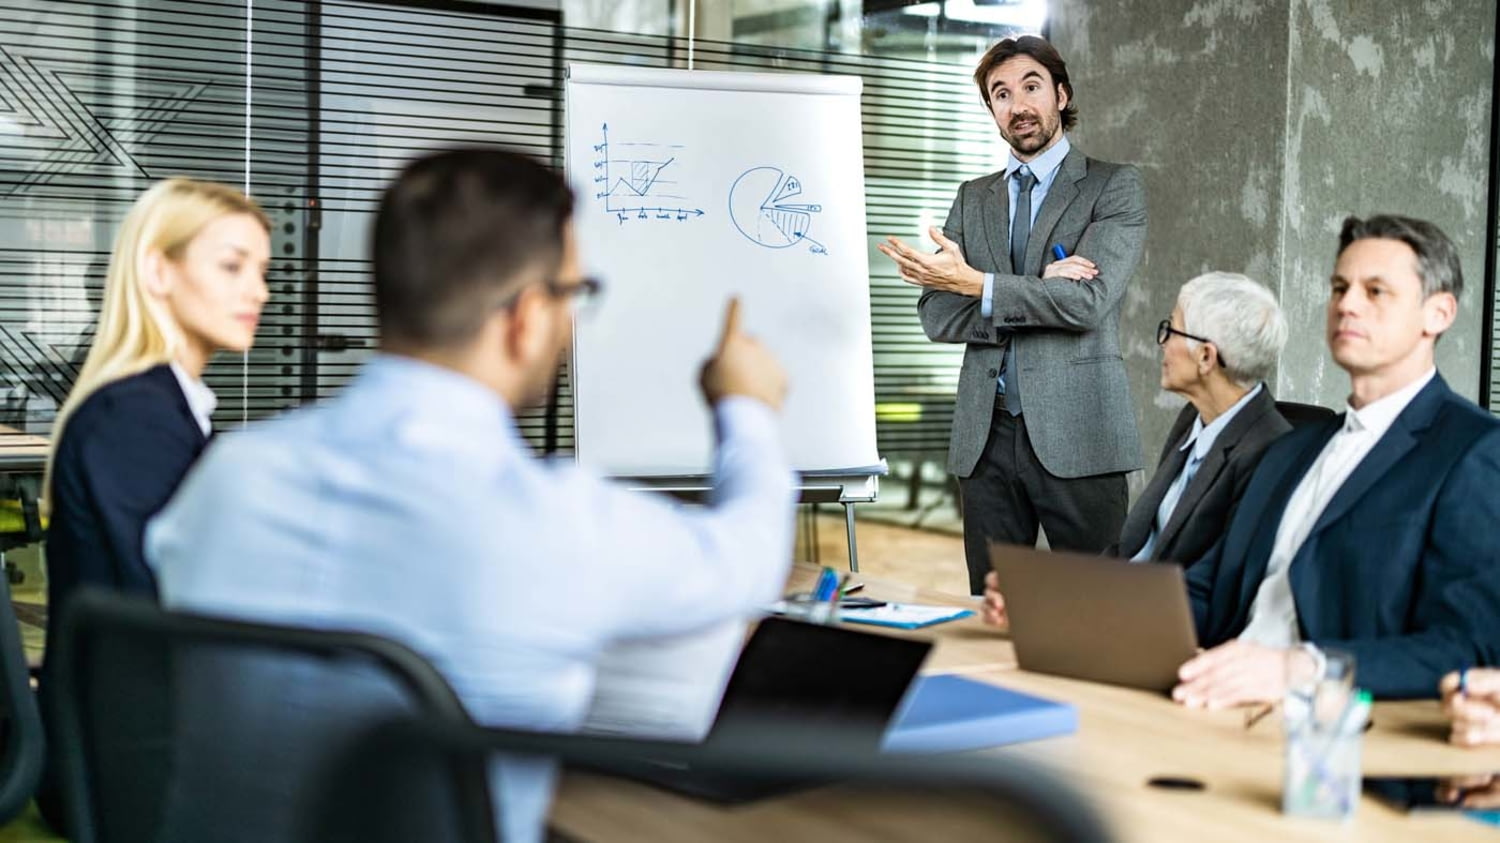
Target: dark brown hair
[456,235]
[1044,53]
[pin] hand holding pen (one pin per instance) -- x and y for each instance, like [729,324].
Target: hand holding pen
[1075,268]
[1471,699]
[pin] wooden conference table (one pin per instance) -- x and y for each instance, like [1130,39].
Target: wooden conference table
[1124,738]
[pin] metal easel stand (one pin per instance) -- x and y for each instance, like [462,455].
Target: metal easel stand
[845,489]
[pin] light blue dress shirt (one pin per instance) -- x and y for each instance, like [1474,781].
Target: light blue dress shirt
[409,506]
[1044,167]
[1201,440]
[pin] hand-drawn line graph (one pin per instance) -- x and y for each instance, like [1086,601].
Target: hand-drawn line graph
[759,208]
[633,180]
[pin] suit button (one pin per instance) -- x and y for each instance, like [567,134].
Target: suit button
[994,373]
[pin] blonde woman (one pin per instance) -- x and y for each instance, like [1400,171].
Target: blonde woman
[187,279]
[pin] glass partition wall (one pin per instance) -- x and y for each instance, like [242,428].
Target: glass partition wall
[312,106]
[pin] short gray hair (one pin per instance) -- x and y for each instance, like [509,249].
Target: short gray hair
[1241,318]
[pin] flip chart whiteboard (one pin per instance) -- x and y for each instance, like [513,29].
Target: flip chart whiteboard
[693,186]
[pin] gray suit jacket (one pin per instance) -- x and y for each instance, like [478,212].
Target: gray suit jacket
[1066,333]
[1202,513]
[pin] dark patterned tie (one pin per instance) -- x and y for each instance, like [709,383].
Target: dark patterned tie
[1020,234]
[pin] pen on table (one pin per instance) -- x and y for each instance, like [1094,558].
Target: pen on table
[1058,251]
[1259,713]
[838,593]
[827,582]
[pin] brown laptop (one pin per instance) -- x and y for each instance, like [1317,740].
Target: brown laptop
[1096,618]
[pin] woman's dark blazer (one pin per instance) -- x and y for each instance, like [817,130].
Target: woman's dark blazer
[121,456]
[1202,514]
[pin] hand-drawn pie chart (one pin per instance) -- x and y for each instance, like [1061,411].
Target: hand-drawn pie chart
[762,206]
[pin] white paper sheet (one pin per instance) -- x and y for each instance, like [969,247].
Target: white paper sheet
[665,688]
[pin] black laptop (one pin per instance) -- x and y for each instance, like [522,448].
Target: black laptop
[813,675]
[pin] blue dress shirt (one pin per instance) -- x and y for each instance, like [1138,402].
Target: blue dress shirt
[1201,439]
[1044,167]
[409,506]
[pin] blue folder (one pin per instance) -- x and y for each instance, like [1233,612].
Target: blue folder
[952,714]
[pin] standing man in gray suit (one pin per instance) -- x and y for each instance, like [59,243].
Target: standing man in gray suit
[1044,430]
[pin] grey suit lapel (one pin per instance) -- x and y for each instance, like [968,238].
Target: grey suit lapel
[994,212]
[1064,188]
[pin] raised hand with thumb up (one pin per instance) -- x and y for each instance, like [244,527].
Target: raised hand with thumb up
[740,365]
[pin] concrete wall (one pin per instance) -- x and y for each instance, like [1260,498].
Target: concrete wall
[1259,125]
[1389,110]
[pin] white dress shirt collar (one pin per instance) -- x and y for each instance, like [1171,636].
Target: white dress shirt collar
[1378,416]
[1202,437]
[201,400]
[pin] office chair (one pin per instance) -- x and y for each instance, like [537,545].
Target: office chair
[1301,414]
[22,743]
[872,796]
[174,727]
[21,520]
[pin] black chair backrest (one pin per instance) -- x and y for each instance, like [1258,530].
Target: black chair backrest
[22,744]
[382,789]
[176,727]
[1300,414]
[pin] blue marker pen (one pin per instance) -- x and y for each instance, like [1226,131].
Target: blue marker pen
[827,582]
[1058,251]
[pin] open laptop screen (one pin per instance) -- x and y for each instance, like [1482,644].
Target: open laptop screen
[819,675]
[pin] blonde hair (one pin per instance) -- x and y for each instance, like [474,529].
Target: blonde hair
[135,332]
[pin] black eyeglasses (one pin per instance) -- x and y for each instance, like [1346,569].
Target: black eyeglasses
[1164,332]
[583,295]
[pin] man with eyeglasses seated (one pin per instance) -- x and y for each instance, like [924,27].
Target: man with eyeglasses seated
[410,506]
[1218,346]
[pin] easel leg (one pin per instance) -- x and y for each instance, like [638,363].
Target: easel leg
[849,526]
[816,554]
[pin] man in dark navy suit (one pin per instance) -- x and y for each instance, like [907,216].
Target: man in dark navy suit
[1377,532]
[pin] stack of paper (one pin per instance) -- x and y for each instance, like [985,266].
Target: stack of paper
[904,615]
